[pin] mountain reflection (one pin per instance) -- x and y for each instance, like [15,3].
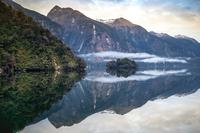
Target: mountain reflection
[93,94]
[26,95]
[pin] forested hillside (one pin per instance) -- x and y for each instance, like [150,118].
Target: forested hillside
[24,45]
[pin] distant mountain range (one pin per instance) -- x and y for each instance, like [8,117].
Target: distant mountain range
[85,35]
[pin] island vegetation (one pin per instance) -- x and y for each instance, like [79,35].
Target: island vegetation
[121,67]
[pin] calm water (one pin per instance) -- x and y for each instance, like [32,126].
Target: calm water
[154,99]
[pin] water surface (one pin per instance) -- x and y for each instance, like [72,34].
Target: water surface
[162,101]
[161,97]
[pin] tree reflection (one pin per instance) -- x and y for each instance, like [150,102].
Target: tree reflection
[26,95]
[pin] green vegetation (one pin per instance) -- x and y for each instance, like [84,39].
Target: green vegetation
[26,45]
[121,67]
[25,96]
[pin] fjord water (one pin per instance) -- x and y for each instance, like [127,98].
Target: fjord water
[162,98]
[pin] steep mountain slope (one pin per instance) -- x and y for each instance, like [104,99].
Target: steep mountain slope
[45,22]
[24,45]
[132,34]
[179,44]
[144,41]
[84,34]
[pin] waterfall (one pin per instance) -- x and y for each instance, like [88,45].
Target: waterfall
[81,46]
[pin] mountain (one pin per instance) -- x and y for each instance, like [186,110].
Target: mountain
[121,22]
[180,43]
[144,41]
[24,45]
[85,35]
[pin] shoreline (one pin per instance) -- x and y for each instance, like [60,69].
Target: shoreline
[36,70]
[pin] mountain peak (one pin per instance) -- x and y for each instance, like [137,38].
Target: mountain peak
[66,16]
[122,22]
[159,34]
[56,7]
[186,38]
[68,12]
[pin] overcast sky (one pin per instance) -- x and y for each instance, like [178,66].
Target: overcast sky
[165,16]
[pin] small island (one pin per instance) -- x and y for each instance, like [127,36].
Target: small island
[121,67]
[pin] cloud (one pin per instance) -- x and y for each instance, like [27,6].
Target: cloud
[113,1]
[184,4]
[184,9]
